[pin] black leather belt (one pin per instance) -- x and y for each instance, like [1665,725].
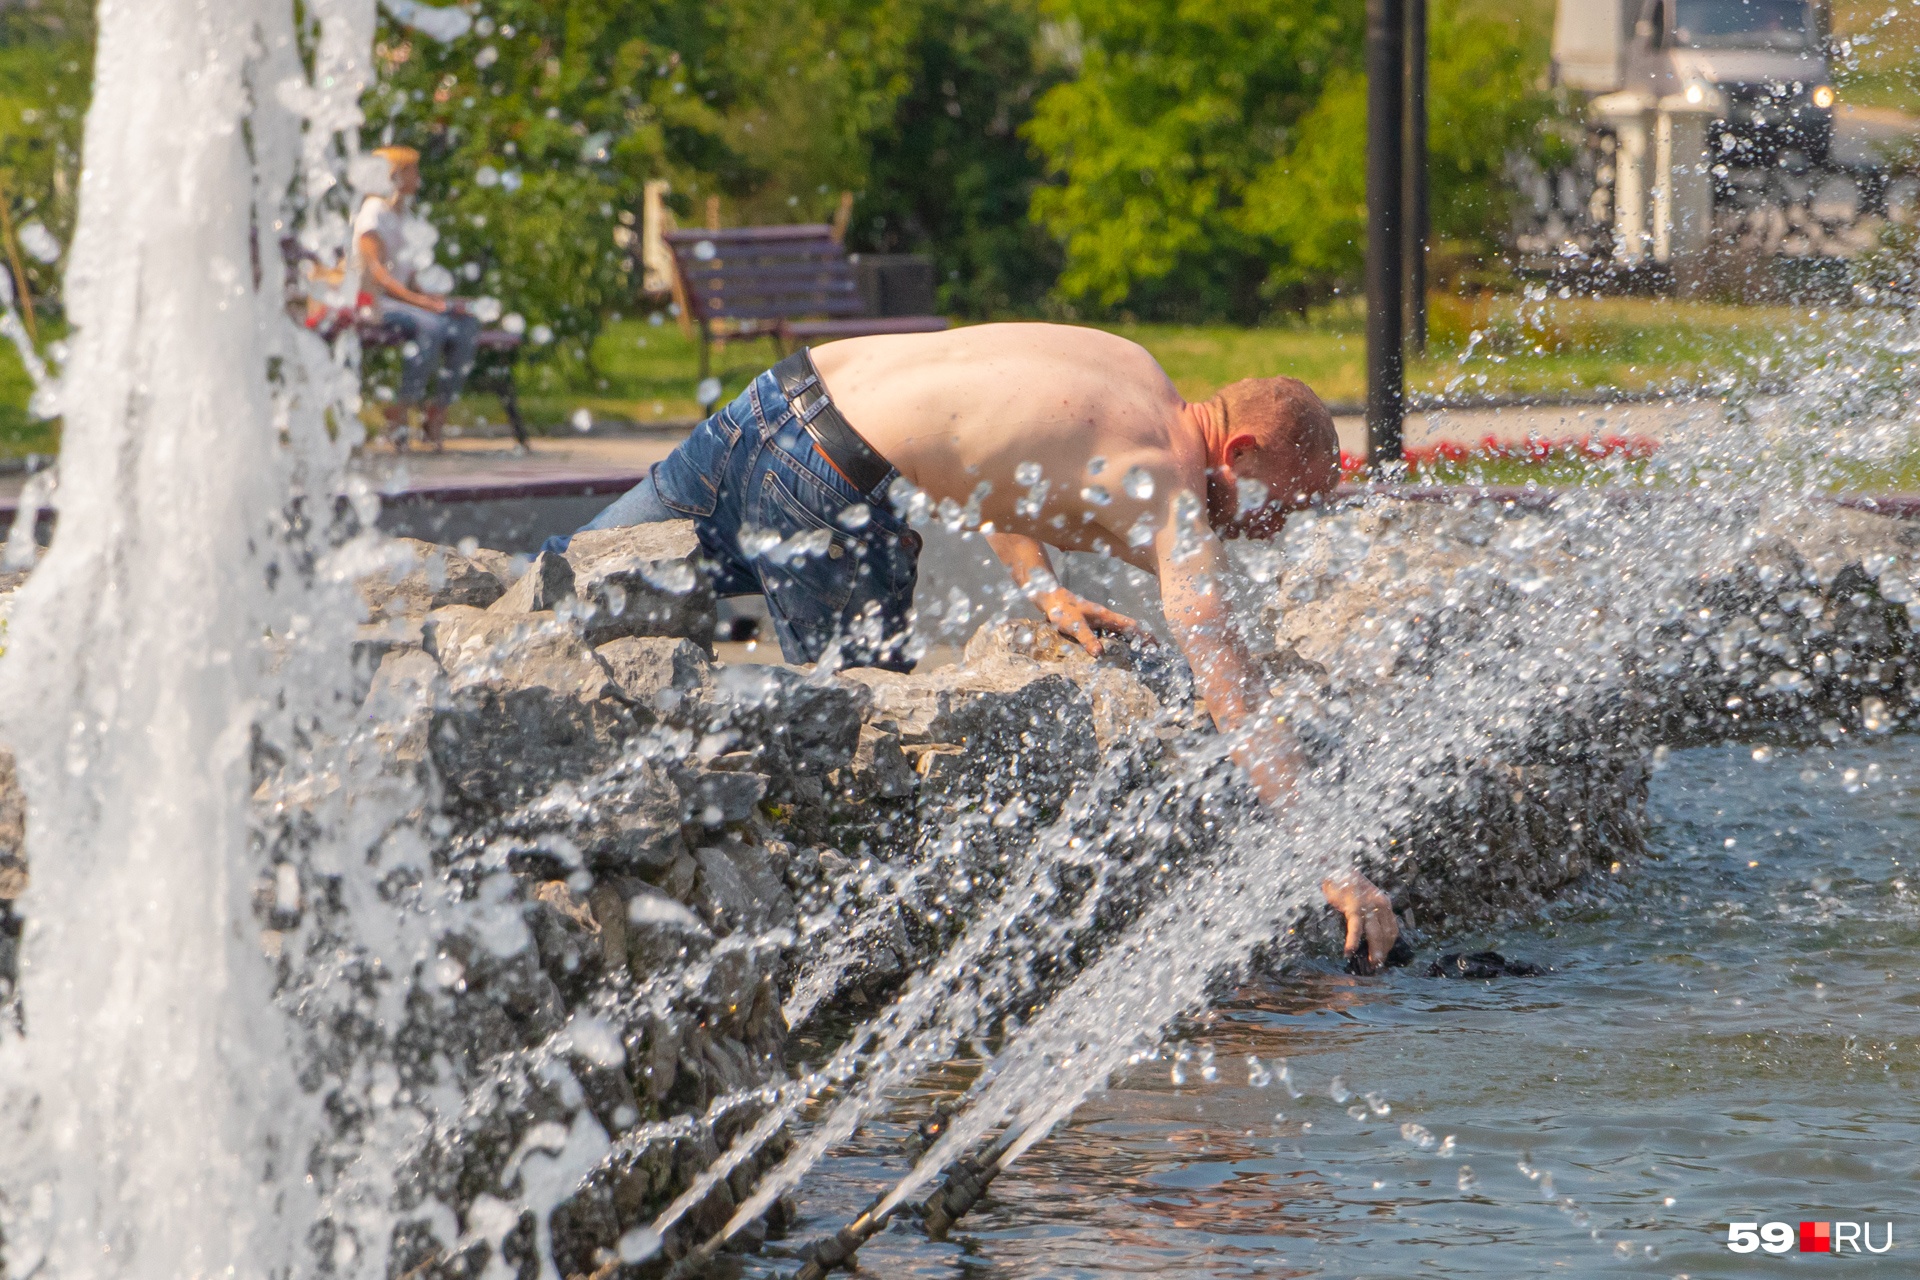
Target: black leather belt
[835,437]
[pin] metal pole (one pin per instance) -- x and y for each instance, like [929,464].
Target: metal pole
[1386,81]
[1419,222]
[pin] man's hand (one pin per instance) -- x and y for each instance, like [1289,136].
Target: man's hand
[1080,619]
[1370,918]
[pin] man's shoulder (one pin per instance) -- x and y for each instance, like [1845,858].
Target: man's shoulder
[373,211]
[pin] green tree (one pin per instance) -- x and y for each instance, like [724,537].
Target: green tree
[46,66]
[539,130]
[950,174]
[1210,157]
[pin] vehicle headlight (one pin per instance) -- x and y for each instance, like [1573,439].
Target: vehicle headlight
[1823,96]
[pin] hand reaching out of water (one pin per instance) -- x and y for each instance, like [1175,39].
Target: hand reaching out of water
[1370,919]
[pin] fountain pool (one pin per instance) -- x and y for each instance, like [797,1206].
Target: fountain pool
[1729,1036]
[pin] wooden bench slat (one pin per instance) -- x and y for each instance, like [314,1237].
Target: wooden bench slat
[792,282]
[865,326]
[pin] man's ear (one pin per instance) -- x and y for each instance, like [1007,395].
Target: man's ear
[1236,447]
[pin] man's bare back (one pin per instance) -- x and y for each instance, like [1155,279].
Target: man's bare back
[1077,439]
[989,404]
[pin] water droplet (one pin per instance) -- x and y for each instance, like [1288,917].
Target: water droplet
[1467,1182]
[1377,1103]
[1257,1074]
[1138,484]
[1357,1111]
[856,516]
[1338,1090]
[1027,473]
[1096,495]
[1418,1134]
[582,421]
[1446,1146]
[1096,465]
[639,1244]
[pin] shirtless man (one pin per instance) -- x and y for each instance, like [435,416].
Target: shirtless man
[1054,435]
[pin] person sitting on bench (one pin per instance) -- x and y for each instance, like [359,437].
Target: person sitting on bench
[441,338]
[1055,435]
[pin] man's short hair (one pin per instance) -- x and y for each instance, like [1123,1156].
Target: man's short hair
[398,157]
[1281,414]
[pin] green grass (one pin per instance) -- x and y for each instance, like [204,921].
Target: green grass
[20,434]
[646,373]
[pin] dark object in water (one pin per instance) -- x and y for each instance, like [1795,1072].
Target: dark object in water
[1482,965]
[1398,957]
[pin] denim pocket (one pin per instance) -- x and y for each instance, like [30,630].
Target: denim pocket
[811,582]
[690,477]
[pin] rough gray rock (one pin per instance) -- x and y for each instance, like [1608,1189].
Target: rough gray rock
[661,932]
[879,767]
[740,888]
[643,580]
[657,673]
[1124,707]
[422,577]
[527,704]
[636,831]
[546,585]
[714,798]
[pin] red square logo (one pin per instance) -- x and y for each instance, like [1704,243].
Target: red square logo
[1816,1237]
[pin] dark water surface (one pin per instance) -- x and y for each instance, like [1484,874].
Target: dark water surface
[1732,1033]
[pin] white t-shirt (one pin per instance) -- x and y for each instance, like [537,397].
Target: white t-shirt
[378,217]
[406,244]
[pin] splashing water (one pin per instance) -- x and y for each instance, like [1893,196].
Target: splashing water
[180,693]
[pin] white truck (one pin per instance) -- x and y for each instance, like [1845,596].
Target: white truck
[1700,122]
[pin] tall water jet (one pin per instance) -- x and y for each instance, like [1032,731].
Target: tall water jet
[151,1115]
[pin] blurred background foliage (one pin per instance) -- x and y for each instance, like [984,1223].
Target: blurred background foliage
[1113,161]
[1152,159]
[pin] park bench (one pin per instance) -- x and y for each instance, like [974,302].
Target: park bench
[792,284]
[495,362]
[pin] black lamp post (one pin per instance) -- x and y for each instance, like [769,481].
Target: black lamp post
[1386,253]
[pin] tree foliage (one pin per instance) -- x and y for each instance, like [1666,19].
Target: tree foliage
[1211,153]
[540,128]
[950,174]
[46,63]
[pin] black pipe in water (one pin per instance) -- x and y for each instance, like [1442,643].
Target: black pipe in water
[1386,105]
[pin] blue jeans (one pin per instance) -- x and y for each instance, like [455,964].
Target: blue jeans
[774,518]
[442,344]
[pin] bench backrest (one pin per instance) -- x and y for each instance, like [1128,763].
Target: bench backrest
[766,273]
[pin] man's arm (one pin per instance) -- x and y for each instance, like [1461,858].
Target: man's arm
[1075,617]
[373,254]
[1193,576]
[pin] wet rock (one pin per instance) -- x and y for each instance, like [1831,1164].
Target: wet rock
[567,938]
[636,831]
[1482,965]
[527,704]
[740,888]
[419,577]
[644,580]
[398,710]
[1123,705]
[546,585]
[1399,956]
[879,768]
[809,724]
[661,933]
[716,798]
[657,673]
[995,709]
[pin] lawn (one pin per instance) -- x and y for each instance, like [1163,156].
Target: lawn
[1547,346]
[646,372]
